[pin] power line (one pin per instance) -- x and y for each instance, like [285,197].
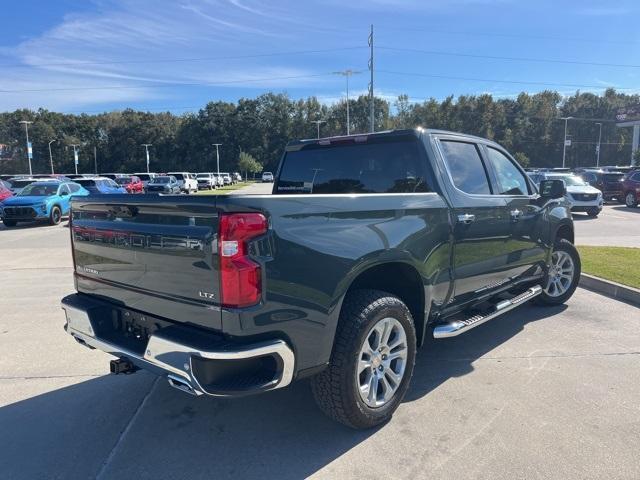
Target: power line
[516,59]
[512,82]
[166,84]
[178,60]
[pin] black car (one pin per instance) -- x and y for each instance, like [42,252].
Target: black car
[368,245]
[609,183]
[163,184]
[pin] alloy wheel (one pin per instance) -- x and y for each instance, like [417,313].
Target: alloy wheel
[561,273]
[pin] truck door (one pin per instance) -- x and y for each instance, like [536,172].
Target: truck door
[481,230]
[525,247]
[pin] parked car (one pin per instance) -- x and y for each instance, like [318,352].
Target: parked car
[145,178]
[631,188]
[267,177]
[237,177]
[219,179]
[206,181]
[131,183]
[187,181]
[609,183]
[164,184]
[100,185]
[5,190]
[423,233]
[41,200]
[582,196]
[226,178]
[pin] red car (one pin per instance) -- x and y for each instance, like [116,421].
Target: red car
[631,188]
[4,191]
[132,183]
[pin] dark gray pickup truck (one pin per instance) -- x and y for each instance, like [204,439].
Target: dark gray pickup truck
[368,244]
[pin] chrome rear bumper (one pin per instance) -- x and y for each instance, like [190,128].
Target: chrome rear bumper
[181,362]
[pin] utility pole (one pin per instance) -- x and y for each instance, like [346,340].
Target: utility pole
[95,159]
[564,147]
[217,155]
[29,149]
[318,122]
[347,74]
[75,155]
[598,147]
[372,126]
[146,147]
[50,155]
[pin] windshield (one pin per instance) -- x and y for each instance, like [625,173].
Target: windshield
[161,180]
[39,190]
[178,176]
[144,176]
[86,182]
[123,180]
[20,183]
[570,180]
[203,175]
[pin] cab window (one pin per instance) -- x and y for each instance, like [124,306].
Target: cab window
[510,180]
[466,167]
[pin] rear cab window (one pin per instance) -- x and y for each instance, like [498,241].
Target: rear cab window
[381,165]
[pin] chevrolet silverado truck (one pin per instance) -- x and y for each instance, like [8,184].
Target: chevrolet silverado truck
[367,245]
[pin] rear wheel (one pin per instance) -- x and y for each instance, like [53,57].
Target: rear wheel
[630,200]
[563,276]
[9,223]
[55,216]
[371,363]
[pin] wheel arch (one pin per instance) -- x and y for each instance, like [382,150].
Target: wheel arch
[565,230]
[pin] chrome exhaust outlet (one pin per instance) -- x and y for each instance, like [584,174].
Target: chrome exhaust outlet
[182,385]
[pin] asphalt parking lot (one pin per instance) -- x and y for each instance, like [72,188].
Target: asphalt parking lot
[539,393]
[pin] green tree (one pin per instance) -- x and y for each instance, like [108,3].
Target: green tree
[246,163]
[522,159]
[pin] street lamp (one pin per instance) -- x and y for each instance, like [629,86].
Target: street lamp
[51,155]
[318,122]
[75,155]
[29,150]
[217,155]
[564,147]
[347,74]
[598,147]
[146,147]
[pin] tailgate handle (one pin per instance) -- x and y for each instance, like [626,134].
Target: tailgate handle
[123,211]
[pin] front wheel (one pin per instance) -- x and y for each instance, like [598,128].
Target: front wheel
[372,360]
[630,200]
[55,216]
[563,275]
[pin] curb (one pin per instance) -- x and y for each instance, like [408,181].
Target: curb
[610,289]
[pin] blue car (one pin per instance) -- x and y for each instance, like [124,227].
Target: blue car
[41,200]
[100,185]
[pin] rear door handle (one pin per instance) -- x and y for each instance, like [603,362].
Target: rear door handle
[466,218]
[515,215]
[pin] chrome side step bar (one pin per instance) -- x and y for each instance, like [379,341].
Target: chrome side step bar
[457,327]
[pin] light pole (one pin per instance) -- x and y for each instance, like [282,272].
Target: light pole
[51,155]
[217,155]
[146,147]
[318,122]
[347,73]
[564,146]
[29,150]
[75,155]
[598,147]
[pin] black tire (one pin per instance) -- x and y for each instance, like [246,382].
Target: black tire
[9,223]
[593,212]
[630,200]
[55,216]
[335,389]
[544,298]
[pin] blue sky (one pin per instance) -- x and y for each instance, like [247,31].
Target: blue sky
[90,56]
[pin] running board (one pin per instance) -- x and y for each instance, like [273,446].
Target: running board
[457,327]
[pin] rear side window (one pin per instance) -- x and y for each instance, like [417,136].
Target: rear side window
[375,167]
[510,180]
[466,167]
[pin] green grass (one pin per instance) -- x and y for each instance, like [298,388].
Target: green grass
[224,190]
[619,264]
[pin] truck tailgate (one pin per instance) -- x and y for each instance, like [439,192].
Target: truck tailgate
[156,254]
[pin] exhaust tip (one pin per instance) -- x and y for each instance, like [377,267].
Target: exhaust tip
[182,385]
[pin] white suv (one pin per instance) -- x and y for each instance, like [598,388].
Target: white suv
[186,180]
[582,196]
[267,177]
[206,181]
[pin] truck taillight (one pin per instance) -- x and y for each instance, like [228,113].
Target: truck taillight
[240,284]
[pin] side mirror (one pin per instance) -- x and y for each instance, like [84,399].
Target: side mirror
[552,189]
